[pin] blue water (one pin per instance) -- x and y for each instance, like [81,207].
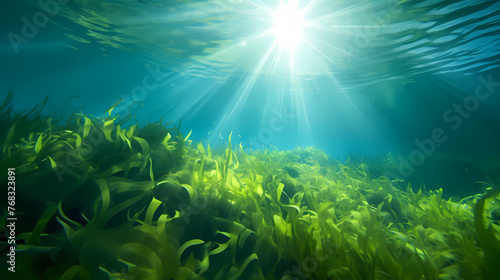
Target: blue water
[367,78]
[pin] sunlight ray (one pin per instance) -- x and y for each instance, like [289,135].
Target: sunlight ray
[240,96]
[333,47]
[321,53]
[276,58]
[345,95]
[303,123]
[258,5]
[309,6]
[334,14]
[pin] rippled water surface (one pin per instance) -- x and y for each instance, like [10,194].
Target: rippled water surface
[356,42]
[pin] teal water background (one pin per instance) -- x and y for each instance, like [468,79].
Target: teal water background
[369,78]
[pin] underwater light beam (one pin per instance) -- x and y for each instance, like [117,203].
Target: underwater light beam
[321,53]
[241,95]
[345,95]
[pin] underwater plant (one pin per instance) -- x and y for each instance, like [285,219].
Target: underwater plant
[102,200]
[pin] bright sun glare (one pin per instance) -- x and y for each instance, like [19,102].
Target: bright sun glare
[288,23]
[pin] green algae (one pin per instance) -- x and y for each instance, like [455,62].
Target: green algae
[99,200]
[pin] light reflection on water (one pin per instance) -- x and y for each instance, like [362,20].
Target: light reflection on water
[358,42]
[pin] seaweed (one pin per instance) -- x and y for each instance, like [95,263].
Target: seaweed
[103,200]
[486,235]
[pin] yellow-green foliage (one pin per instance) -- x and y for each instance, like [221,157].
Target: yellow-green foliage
[100,201]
